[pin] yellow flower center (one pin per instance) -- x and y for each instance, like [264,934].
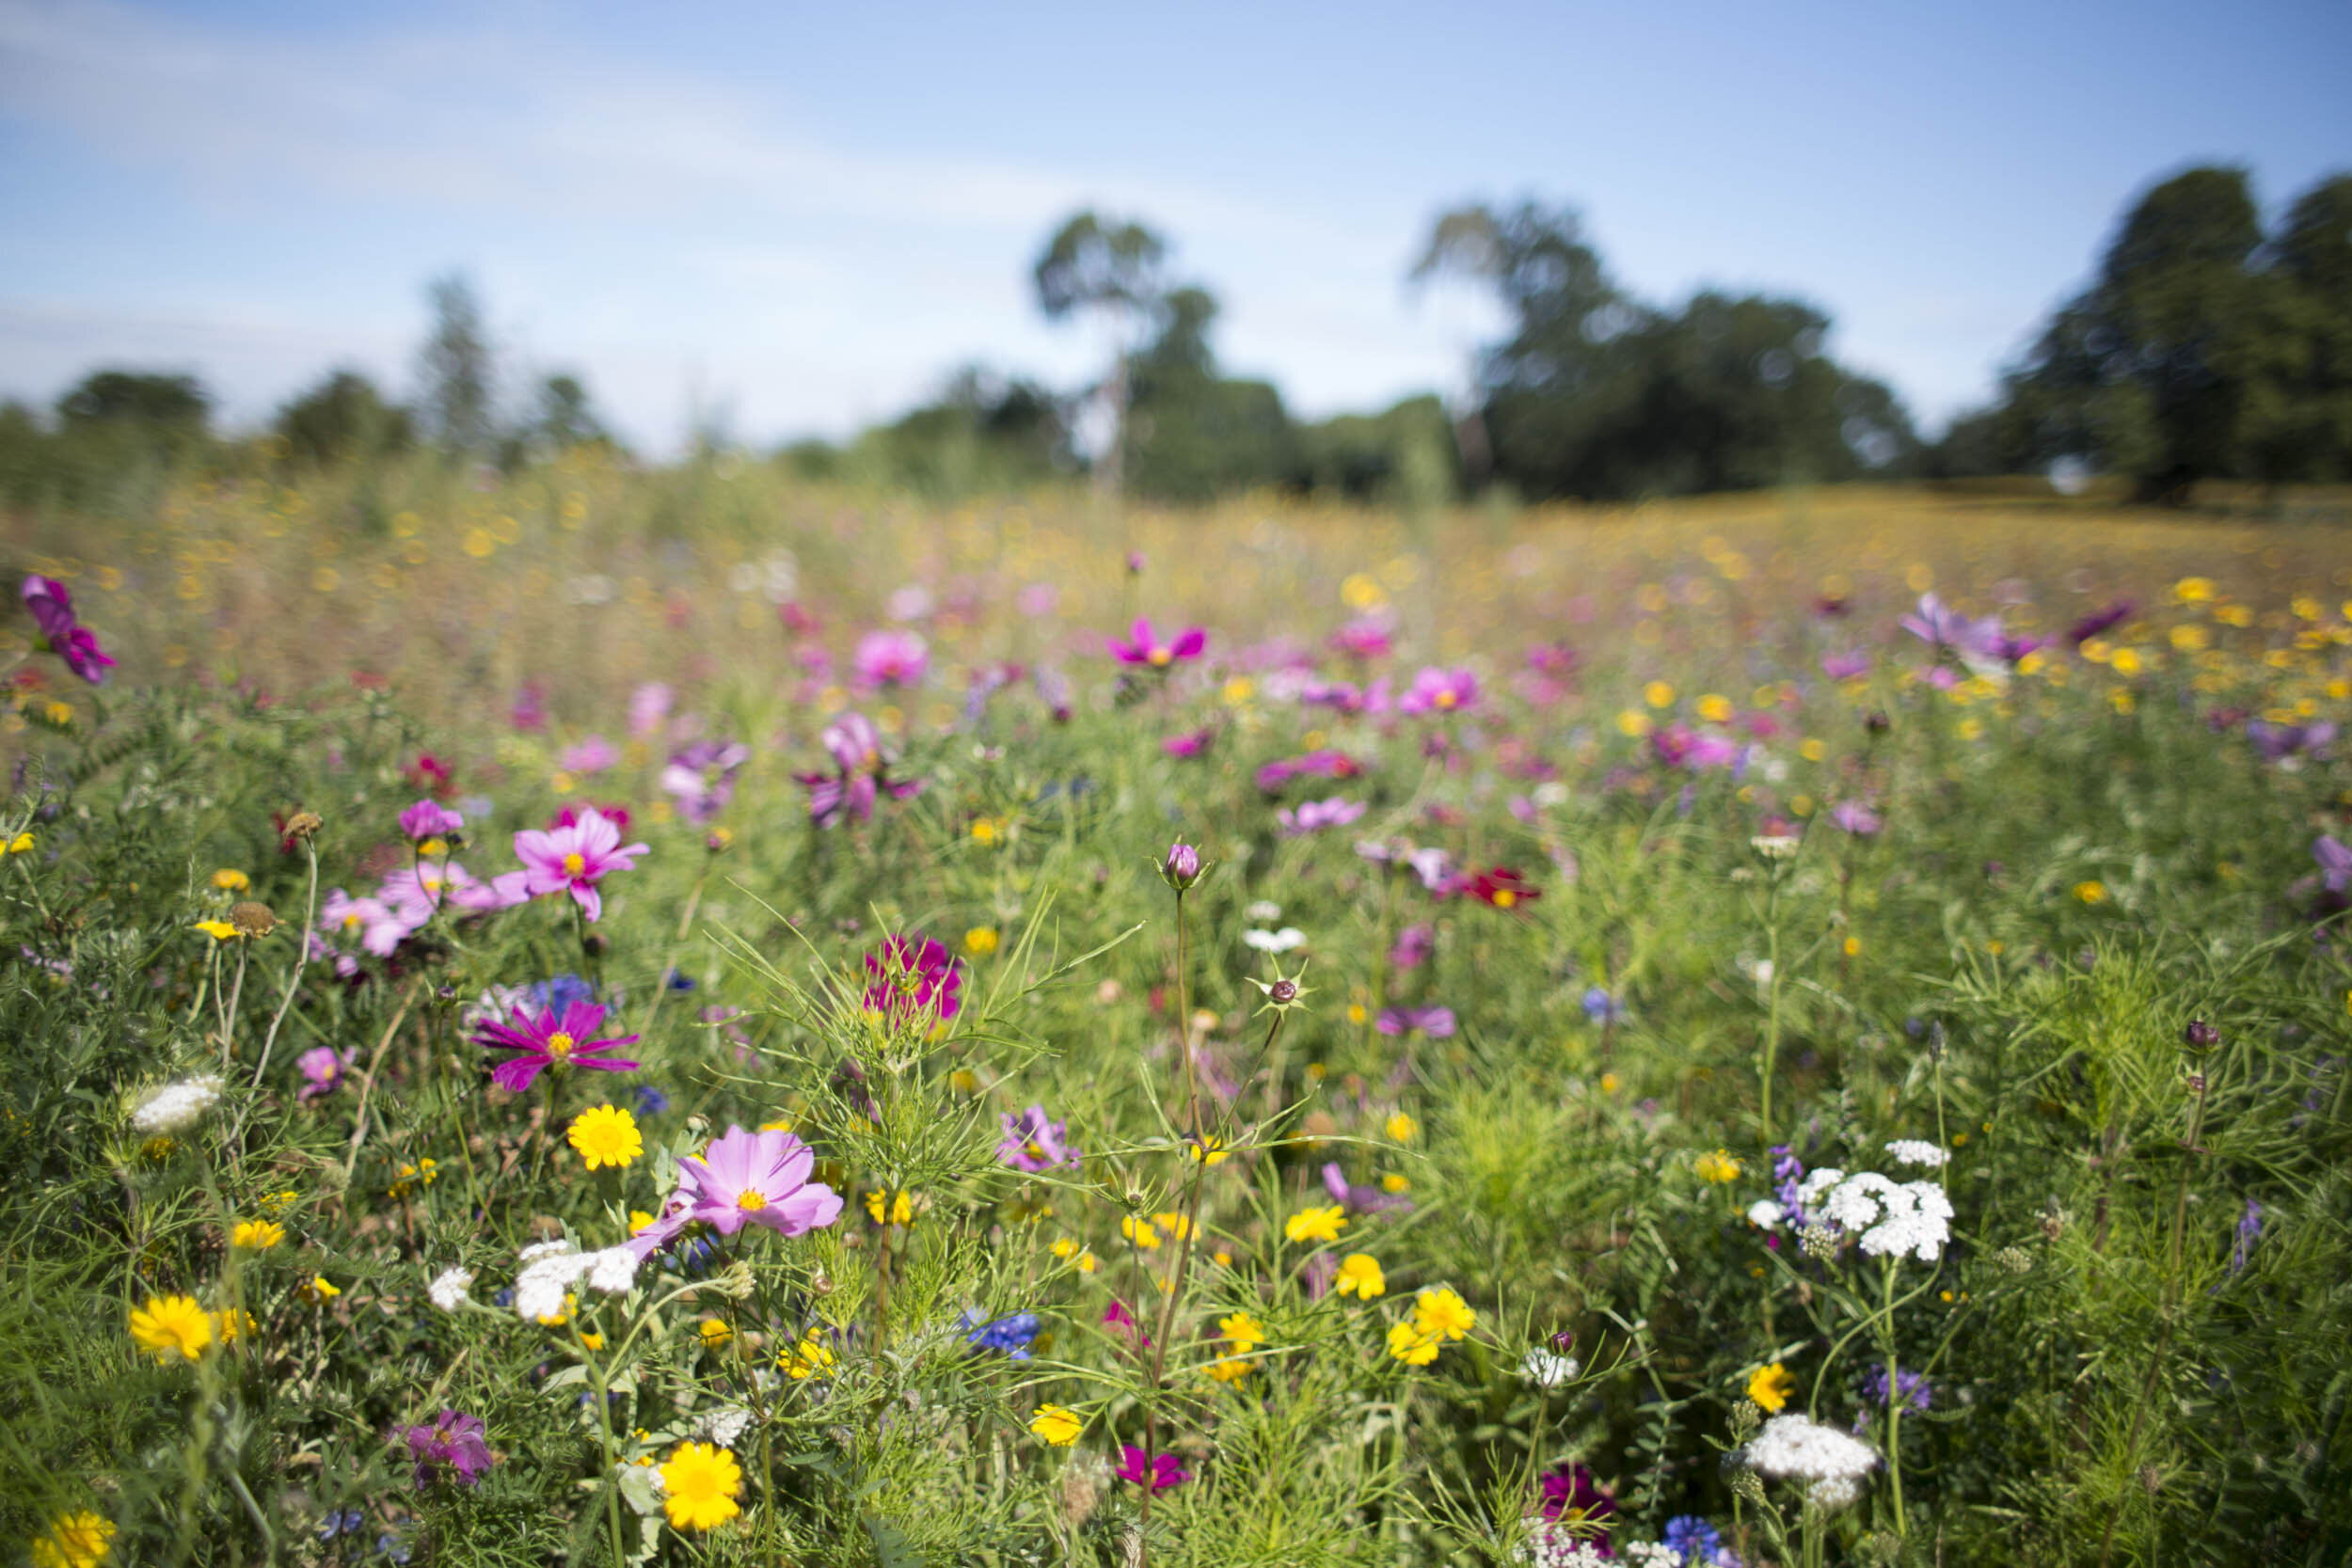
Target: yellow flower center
[560,1044]
[1161,656]
[1504,899]
[1445,699]
[752,1202]
[574,864]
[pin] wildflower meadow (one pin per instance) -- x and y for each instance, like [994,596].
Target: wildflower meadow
[607,1016]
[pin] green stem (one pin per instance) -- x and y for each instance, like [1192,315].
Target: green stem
[1894,1401]
[1772,1025]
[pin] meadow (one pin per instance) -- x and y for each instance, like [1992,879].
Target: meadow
[613,1016]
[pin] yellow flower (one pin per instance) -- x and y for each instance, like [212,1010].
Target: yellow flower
[168,1324]
[1208,1149]
[318,1290]
[257,1235]
[699,1486]
[1231,1369]
[811,1357]
[980,941]
[887,1207]
[1056,1425]
[638,1220]
[81,1540]
[1315,1225]
[714,1332]
[1719,1166]
[220,930]
[1175,1225]
[1658,694]
[1139,1231]
[1609,1083]
[1769,1387]
[1360,1277]
[229,1322]
[19,844]
[605,1136]
[1402,1128]
[2091,892]
[2193,590]
[1716,709]
[1412,1346]
[1242,1332]
[232,880]
[412,1177]
[1634,724]
[1074,1255]
[1442,1312]
[1392,1182]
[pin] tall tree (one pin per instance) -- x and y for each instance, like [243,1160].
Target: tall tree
[567,415]
[341,420]
[457,369]
[1115,271]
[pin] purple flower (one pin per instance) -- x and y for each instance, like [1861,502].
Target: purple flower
[1325,763]
[913,976]
[1141,647]
[1436,690]
[1413,946]
[648,706]
[1365,638]
[2335,863]
[2278,742]
[1856,818]
[378,925]
[887,659]
[744,1178]
[592,755]
[1190,744]
[574,859]
[1934,621]
[1601,1007]
[1033,1144]
[52,608]
[700,777]
[1314,815]
[551,1039]
[1362,1201]
[453,1440]
[323,1066]
[2250,1230]
[1181,866]
[863,773]
[1911,1389]
[1436,1022]
[1012,1335]
[1571,1493]
[1845,667]
[1166,1470]
[429,820]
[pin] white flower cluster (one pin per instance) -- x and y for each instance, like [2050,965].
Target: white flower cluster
[1795,1447]
[1917,1151]
[448,1289]
[551,1268]
[723,1425]
[1548,1545]
[1650,1554]
[1546,1370]
[1274,941]
[1891,1217]
[1775,846]
[176,1105]
[1765,1214]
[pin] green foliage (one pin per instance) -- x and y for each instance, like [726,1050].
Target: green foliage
[344,418]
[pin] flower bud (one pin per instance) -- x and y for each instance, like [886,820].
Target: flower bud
[1181,867]
[2201,1036]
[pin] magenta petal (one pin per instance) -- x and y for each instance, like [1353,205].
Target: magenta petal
[515,1073]
[1191,644]
[590,901]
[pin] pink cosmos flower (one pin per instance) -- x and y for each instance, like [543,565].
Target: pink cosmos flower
[574,858]
[1436,690]
[502,892]
[885,658]
[429,820]
[648,706]
[551,1039]
[52,608]
[453,1440]
[376,925]
[1312,817]
[1166,1470]
[1142,647]
[1856,818]
[1360,1200]
[701,778]
[856,746]
[1190,744]
[1325,763]
[592,755]
[1436,1022]
[744,1178]
[322,1068]
[1365,638]
[1032,1142]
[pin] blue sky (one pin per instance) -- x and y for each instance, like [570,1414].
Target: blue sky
[799,218]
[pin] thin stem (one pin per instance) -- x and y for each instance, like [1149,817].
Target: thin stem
[1772,1026]
[1183,1034]
[1894,1401]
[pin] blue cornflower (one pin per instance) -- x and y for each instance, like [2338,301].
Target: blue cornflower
[561,993]
[348,1521]
[1601,1007]
[1692,1540]
[2250,1230]
[676,981]
[392,1547]
[649,1101]
[1010,1334]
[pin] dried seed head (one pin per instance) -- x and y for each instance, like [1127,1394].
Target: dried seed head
[2014,1259]
[252,919]
[303,825]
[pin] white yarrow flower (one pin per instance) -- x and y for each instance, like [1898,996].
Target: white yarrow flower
[1795,1447]
[613,1270]
[1265,909]
[1775,846]
[1765,1214]
[448,1289]
[1274,941]
[1917,1151]
[176,1106]
[1546,1369]
[547,1276]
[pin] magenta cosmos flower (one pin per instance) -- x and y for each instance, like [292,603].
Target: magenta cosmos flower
[1314,815]
[911,975]
[429,820]
[551,1039]
[455,1440]
[574,858]
[862,773]
[1436,690]
[1141,647]
[52,608]
[890,659]
[744,1178]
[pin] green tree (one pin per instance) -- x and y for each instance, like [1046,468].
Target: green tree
[1114,271]
[174,405]
[457,369]
[344,418]
[567,415]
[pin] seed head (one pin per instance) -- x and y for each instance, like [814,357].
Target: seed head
[303,825]
[252,919]
[1819,1243]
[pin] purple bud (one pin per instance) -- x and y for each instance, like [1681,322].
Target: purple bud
[2199,1033]
[1181,867]
[1135,562]
[1283,992]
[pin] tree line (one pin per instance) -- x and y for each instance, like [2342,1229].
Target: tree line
[2206,347]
